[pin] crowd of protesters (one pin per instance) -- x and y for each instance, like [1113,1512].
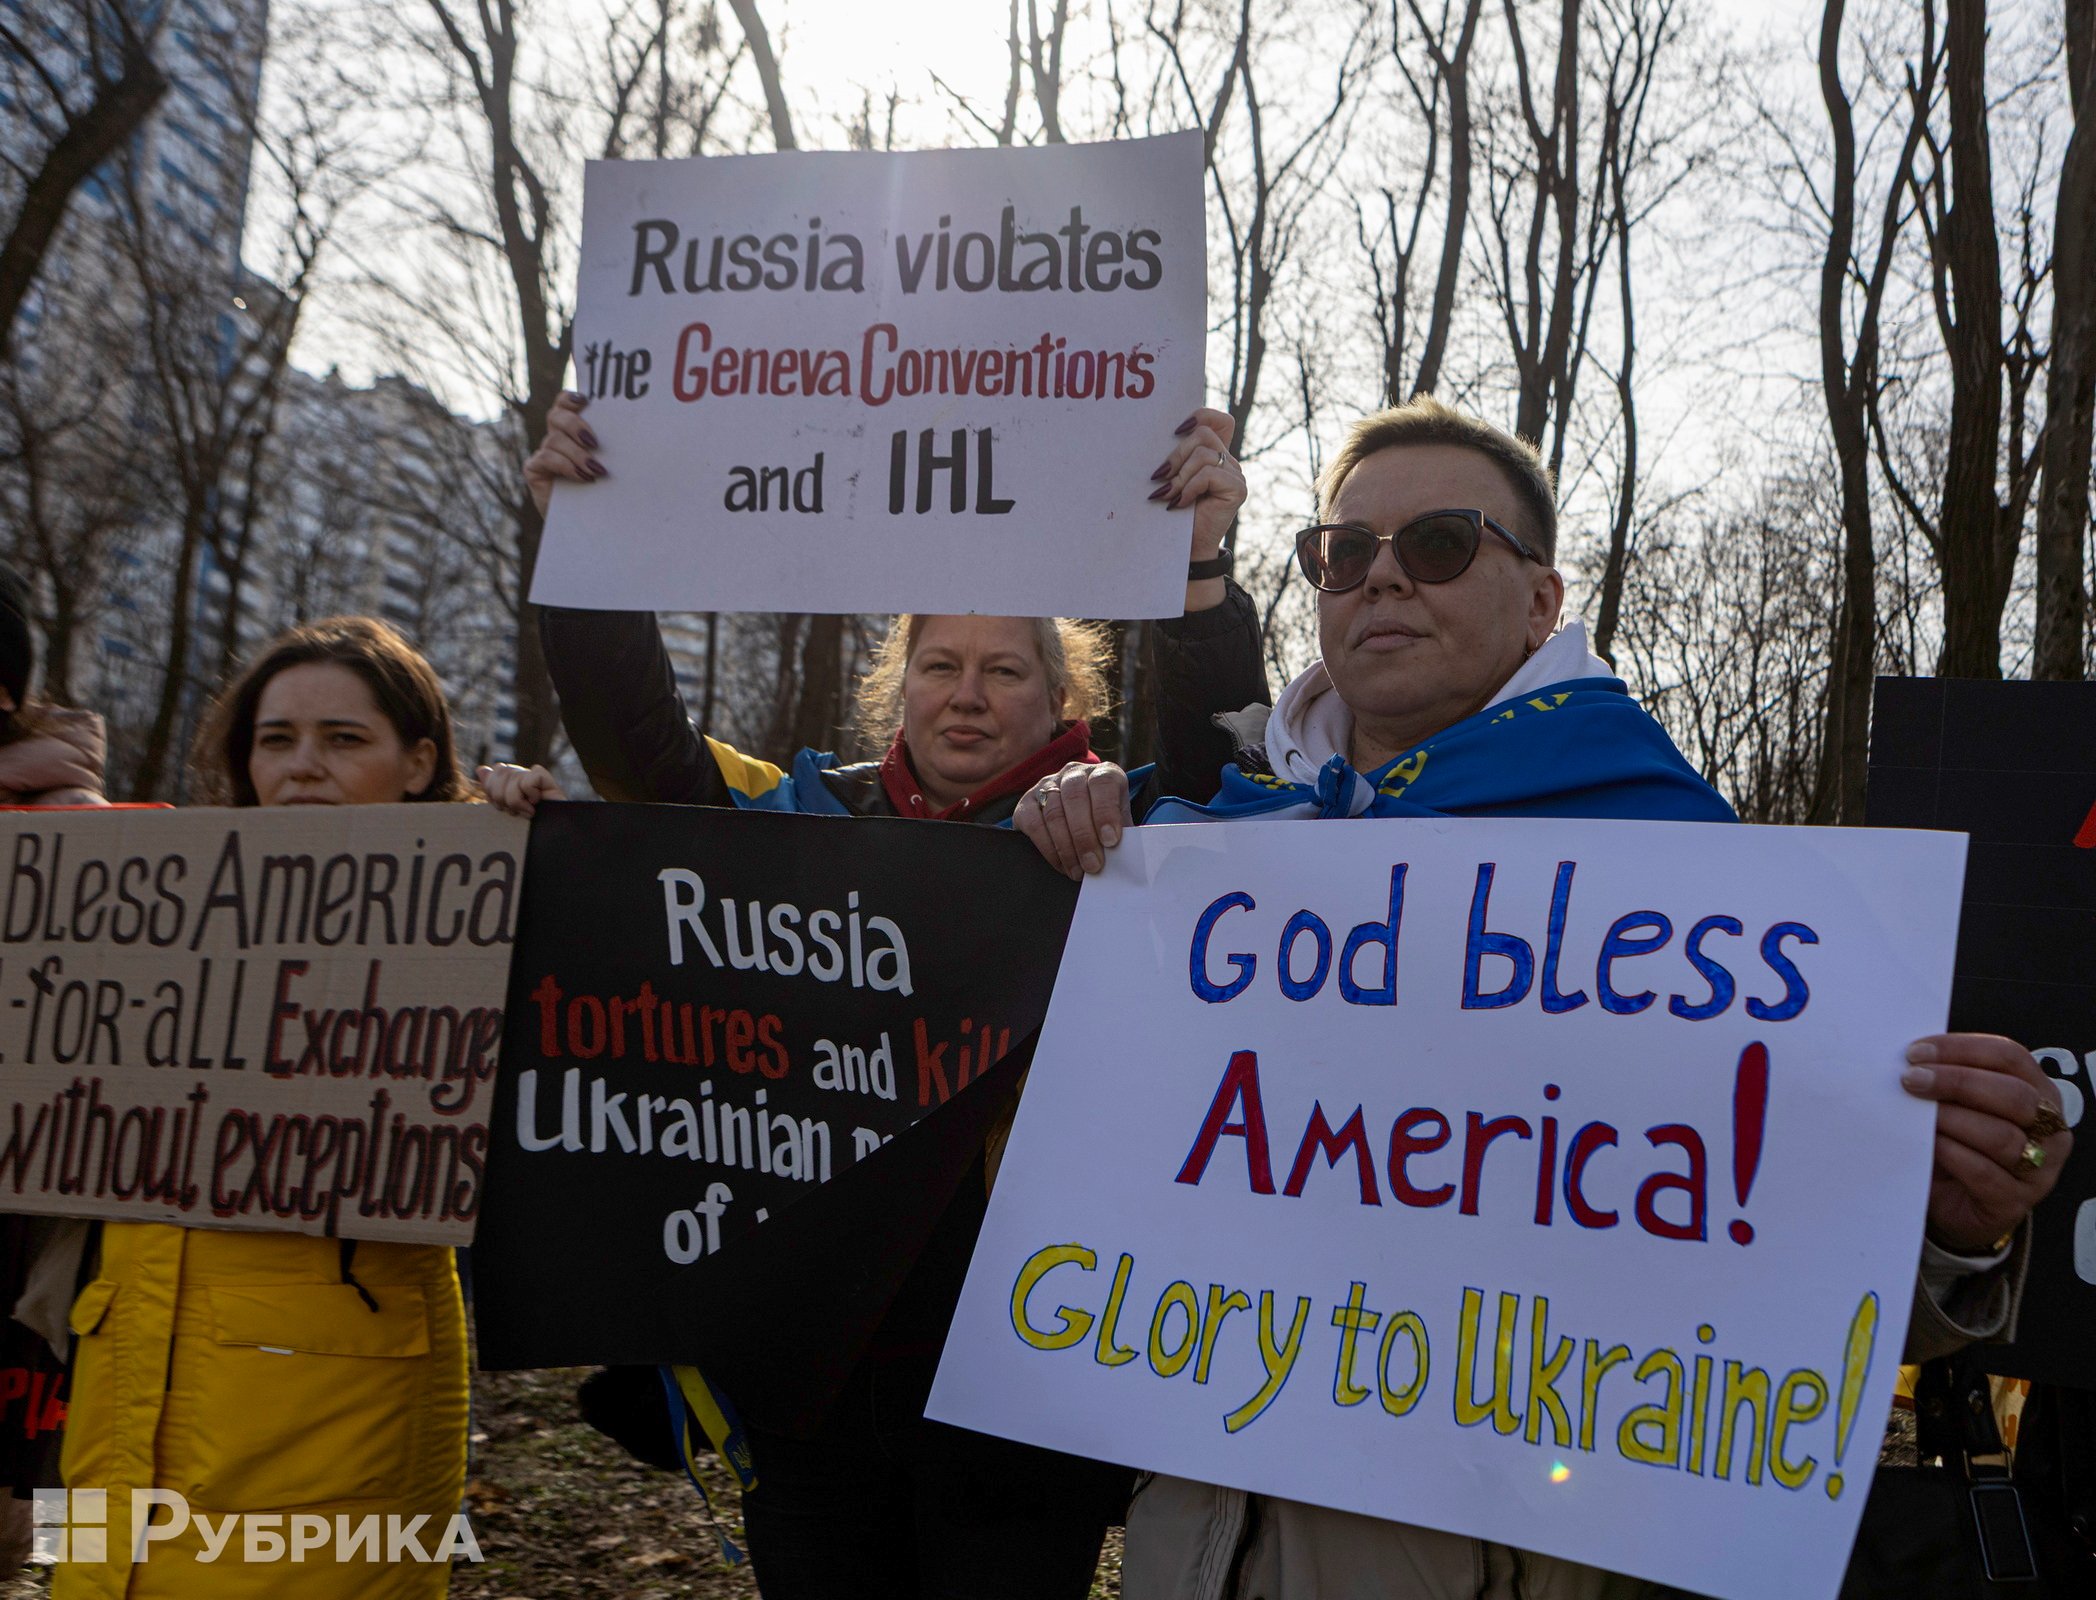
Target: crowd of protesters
[342,1383]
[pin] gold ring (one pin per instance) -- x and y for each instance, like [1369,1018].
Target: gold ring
[2033,1156]
[2047,1122]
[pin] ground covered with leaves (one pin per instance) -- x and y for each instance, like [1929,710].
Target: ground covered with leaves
[562,1513]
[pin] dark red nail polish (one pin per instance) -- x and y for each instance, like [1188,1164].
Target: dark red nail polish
[1161,473]
[589,440]
[597,468]
[1160,491]
[1185,427]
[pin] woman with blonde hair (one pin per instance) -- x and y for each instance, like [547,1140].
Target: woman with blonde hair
[971,710]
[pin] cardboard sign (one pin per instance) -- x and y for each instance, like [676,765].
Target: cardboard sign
[1544,1181]
[2014,765]
[724,1019]
[284,1019]
[854,382]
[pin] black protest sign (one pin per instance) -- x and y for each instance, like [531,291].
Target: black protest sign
[2014,765]
[726,1017]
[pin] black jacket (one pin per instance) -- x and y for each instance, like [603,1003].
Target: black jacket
[635,738]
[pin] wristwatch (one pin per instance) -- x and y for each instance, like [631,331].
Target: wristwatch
[1216,566]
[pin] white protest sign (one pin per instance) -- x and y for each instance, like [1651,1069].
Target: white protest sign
[861,382]
[1549,1182]
[278,1018]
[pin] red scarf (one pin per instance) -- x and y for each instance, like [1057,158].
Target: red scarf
[1074,743]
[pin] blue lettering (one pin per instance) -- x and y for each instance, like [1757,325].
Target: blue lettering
[1197,956]
[1795,993]
[1504,945]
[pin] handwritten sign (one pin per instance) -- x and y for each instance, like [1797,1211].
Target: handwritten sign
[2014,764]
[734,1113]
[858,382]
[1547,1182]
[278,1019]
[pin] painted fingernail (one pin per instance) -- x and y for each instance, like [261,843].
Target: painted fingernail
[598,469]
[1093,861]
[589,440]
[1921,1050]
[1160,491]
[1162,472]
[1917,1079]
[1186,427]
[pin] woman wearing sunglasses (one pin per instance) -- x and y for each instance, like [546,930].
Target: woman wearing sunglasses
[1447,688]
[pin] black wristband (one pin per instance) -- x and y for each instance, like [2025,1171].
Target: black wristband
[1216,566]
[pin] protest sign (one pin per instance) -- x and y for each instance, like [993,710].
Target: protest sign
[2014,765]
[849,381]
[273,1018]
[724,1019]
[1562,1165]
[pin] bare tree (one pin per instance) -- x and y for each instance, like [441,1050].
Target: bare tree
[1445,76]
[213,342]
[1725,622]
[1852,293]
[79,79]
[481,51]
[2070,379]
[75,475]
[1977,530]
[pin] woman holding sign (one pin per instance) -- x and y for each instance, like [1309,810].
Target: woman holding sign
[973,710]
[1447,688]
[295,1377]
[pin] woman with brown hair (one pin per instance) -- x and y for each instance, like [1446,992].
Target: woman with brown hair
[968,712]
[281,1373]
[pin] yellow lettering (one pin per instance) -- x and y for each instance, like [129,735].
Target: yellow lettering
[1791,1412]
[1107,1352]
[1663,1448]
[1168,1363]
[1075,1324]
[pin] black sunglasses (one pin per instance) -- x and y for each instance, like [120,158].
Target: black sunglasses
[1435,548]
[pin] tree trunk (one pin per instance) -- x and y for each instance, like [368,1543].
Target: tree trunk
[1455,72]
[116,112]
[154,762]
[2070,379]
[1978,552]
[1844,749]
[817,707]
[1626,402]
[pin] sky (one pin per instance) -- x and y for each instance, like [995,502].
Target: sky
[913,47]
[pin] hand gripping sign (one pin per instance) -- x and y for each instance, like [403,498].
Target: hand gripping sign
[1547,1182]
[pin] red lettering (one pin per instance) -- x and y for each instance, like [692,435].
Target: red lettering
[1240,1085]
[1405,1144]
[1319,1137]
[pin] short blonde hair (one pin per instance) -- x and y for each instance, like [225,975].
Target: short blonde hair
[1425,420]
[1073,660]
